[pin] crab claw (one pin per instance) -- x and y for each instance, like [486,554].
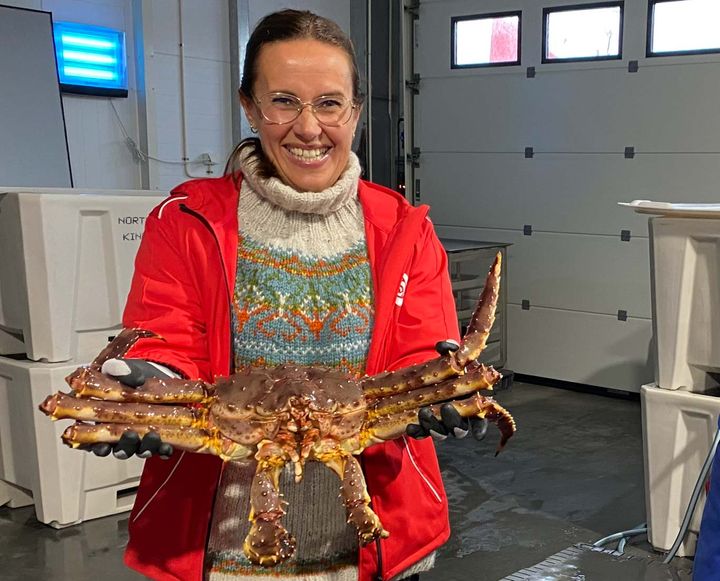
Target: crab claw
[120,345]
[483,318]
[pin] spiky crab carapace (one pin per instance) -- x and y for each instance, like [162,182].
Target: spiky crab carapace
[286,414]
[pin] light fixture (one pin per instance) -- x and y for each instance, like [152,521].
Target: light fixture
[90,59]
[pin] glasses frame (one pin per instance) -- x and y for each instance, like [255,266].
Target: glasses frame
[300,106]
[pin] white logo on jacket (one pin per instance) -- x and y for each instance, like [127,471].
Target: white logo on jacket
[401,291]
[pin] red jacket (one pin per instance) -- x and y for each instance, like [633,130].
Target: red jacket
[184,277]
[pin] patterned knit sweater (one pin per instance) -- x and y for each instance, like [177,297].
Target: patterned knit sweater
[303,294]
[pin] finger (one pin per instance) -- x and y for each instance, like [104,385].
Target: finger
[416,431]
[447,346]
[478,427]
[127,445]
[123,372]
[454,423]
[430,423]
[149,445]
[101,450]
[165,451]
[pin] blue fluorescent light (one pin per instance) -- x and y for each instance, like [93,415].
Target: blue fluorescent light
[91,59]
[89,73]
[86,57]
[69,40]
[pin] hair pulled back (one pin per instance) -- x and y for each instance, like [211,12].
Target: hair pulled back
[281,26]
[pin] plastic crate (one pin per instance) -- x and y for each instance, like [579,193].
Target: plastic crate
[66,262]
[678,430]
[685,267]
[66,486]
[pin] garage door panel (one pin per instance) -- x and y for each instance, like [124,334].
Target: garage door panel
[580,347]
[559,193]
[597,274]
[559,111]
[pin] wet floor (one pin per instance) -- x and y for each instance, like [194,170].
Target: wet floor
[572,474]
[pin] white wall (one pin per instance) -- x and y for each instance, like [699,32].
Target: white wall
[207,90]
[98,154]
[152,114]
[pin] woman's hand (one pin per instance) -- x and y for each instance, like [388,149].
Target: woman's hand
[451,423]
[133,373]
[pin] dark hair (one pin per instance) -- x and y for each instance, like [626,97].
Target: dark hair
[276,27]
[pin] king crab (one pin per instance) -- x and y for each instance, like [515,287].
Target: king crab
[286,414]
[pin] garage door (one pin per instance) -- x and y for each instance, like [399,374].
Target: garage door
[539,153]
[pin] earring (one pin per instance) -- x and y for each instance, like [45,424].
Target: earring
[253,129]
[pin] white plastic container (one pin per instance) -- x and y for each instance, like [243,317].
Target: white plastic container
[678,429]
[66,262]
[685,265]
[66,486]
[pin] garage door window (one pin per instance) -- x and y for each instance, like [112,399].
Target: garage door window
[683,27]
[485,40]
[586,32]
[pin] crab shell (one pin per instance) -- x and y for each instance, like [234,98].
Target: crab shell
[286,414]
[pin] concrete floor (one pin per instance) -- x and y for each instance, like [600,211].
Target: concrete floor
[573,473]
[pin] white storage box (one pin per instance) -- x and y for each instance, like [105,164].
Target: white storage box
[67,486]
[678,430]
[685,265]
[66,262]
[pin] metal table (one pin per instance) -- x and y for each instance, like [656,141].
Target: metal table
[469,262]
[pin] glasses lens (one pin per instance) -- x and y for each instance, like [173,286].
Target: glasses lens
[331,111]
[279,107]
[282,108]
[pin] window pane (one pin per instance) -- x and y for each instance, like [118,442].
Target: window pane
[685,25]
[486,41]
[591,33]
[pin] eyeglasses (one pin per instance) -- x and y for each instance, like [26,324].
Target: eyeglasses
[282,108]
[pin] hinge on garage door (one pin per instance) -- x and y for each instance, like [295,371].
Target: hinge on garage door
[414,157]
[413,7]
[414,85]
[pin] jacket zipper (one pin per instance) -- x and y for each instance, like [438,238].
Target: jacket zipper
[204,221]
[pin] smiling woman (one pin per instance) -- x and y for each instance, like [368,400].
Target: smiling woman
[316,79]
[290,258]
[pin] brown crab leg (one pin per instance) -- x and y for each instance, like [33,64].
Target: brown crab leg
[353,491]
[480,377]
[394,382]
[268,543]
[121,344]
[483,318]
[89,382]
[181,438]
[393,426]
[62,406]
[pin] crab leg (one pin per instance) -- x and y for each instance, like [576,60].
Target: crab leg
[353,491]
[483,318]
[394,382]
[121,344]
[477,378]
[61,406]
[393,426]
[181,438]
[90,382]
[268,543]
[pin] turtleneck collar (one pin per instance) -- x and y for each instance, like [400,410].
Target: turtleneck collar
[280,194]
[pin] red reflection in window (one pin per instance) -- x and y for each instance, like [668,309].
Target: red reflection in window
[504,41]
